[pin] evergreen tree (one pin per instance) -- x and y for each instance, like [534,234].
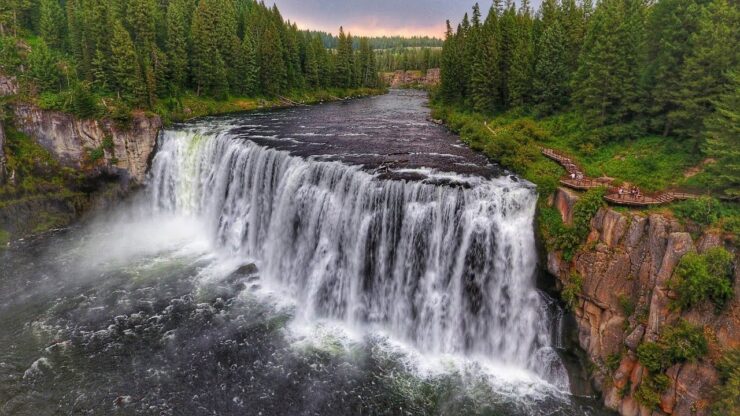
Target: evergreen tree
[519,77]
[177,43]
[723,139]
[551,72]
[247,69]
[608,81]
[670,25]
[485,77]
[43,68]
[344,62]
[273,72]
[451,87]
[52,23]
[713,53]
[209,68]
[127,77]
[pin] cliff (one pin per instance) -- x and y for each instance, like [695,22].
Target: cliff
[625,300]
[98,146]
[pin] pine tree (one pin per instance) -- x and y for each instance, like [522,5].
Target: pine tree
[451,87]
[551,73]
[723,139]
[127,77]
[344,62]
[52,23]
[608,87]
[248,69]
[670,25]
[177,43]
[43,68]
[486,77]
[209,68]
[519,77]
[273,72]
[704,76]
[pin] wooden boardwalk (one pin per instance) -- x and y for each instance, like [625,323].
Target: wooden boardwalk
[576,179]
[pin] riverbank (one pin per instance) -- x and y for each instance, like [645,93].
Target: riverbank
[55,166]
[637,280]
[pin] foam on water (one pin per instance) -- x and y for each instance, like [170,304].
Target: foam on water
[443,273]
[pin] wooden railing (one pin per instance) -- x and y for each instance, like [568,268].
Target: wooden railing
[613,196]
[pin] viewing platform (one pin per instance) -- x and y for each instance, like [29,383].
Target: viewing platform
[577,180]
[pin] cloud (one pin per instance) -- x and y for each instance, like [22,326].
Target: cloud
[377,17]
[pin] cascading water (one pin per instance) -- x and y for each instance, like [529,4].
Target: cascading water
[447,269]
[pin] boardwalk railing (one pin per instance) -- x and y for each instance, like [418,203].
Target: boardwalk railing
[583,183]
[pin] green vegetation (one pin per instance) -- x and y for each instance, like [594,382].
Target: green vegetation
[679,343]
[572,289]
[110,57]
[406,59]
[700,277]
[652,100]
[727,401]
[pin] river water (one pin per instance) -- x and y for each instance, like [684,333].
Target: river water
[343,259]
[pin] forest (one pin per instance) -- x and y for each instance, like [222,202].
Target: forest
[141,53]
[405,59]
[620,71]
[331,41]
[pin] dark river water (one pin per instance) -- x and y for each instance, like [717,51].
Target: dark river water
[344,259]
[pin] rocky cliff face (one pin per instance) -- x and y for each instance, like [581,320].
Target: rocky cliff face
[95,145]
[2,154]
[628,260]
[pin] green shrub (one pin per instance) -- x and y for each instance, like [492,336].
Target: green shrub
[108,143]
[651,388]
[84,104]
[678,343]
[96,155]
[684,342]
[653,356]
[627,305]
[726,397]
[613,361]
[700,277]
[585,208]
[704,210]
[572,289]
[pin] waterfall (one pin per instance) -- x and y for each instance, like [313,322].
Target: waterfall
[448,269]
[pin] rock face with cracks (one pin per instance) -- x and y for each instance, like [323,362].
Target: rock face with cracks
[627,263]
[99,146]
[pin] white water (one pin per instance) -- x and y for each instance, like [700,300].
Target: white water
[449,271]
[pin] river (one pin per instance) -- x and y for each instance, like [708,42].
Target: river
[341,259]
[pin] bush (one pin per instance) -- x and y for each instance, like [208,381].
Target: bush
[653,356]
[704,210]
[651,388]
[727,399]
[684,342]
[572,290]
[678,343]
[700,277]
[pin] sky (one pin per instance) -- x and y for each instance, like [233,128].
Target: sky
[377,17]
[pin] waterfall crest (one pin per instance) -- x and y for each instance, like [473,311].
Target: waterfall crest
[447,269]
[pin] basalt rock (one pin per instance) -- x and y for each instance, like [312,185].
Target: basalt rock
[96,146]
[627,265]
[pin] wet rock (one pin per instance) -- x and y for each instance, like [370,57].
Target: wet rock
[246,270]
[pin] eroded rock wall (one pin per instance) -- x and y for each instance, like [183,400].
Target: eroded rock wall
[629,259]
[73,141]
